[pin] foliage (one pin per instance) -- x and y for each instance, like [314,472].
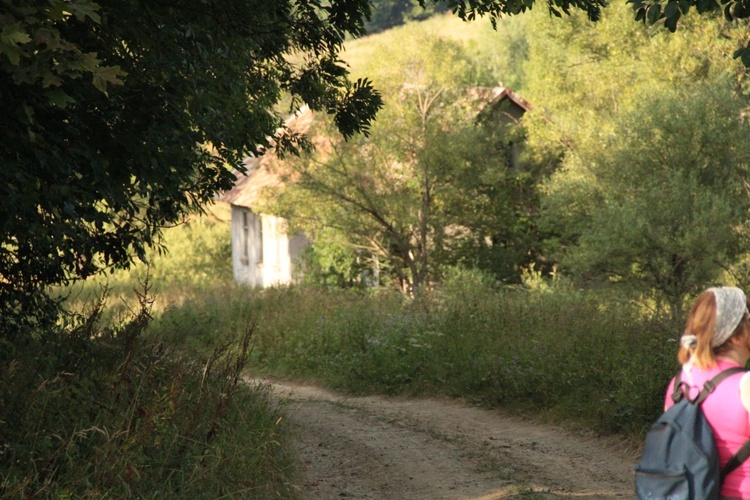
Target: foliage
[120,117]
[97,411]
[196,254]
[584,358]
[500,50]
[665,12]
[650,192]
[670,12]
[387,14]
[672,220]
[330,262]
[433,184]
[469,10]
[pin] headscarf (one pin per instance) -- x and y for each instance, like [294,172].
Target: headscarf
[731,307]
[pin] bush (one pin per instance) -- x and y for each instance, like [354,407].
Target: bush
[90,411]
[576,356]
[544,348]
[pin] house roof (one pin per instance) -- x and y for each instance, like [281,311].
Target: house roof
[260,174]
[501,93]
[488,98]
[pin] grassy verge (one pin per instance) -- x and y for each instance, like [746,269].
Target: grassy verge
[568,355]
[91,409]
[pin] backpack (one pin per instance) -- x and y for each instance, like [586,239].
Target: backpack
[680,459]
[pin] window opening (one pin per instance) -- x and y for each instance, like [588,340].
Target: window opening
[260,240]
[245,237]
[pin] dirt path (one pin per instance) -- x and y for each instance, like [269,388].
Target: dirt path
[383,448]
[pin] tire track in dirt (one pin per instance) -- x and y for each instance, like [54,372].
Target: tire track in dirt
[394,448]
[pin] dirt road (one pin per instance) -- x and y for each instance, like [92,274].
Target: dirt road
[384,448]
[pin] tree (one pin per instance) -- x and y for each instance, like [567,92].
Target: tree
[665,12]
[432,185]
[650,193]
[673,200]
[119,117]
[387,14]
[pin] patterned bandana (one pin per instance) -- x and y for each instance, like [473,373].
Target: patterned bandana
[731,306]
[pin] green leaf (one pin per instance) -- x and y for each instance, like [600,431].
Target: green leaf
[89,62]
[49,79]
[83,9]
[59,98]
[671,9]
[14,35]
[727,12]
[671,22]
[10,38]
[105,75]
[706,5]
[741,10]
[744,55]
[653,13]
[12,53]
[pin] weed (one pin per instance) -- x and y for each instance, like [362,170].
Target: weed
[575,356]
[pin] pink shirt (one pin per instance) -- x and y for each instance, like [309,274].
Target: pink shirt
[728,418]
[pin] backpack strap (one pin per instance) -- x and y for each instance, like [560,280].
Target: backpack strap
[744,452]
[680,388]
[710,385]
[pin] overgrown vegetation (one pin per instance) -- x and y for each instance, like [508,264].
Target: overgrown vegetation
[570,355]
[96,410]
[98,405]
[120,120]
[105,402]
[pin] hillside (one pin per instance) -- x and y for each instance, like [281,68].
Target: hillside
[502,51]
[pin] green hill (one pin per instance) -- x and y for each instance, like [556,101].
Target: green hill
[502,51]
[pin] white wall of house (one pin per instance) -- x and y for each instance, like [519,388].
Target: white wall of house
[262,253]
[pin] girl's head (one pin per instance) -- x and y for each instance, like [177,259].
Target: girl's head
[717,316]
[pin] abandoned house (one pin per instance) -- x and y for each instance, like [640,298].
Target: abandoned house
[263,254]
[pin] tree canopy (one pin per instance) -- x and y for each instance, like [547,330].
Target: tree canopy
[120,116]
[434,184]
[650,193]
[667,13]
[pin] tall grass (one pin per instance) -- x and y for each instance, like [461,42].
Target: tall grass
[586,358]
[574,356]
[196,256]
[96,409]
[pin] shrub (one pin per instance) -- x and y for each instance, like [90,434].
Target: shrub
[585,357]
[88,410]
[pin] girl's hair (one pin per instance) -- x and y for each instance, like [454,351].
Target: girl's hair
[701,322]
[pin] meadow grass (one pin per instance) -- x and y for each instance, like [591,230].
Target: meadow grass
[578,357]
[148,422]
[97,410]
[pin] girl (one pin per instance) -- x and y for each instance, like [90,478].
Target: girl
[717,337]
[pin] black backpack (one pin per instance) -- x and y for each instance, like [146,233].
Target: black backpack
[680,459]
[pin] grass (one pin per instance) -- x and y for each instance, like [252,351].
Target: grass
[104,404]
[501,51]
[567,355]
[93,408]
